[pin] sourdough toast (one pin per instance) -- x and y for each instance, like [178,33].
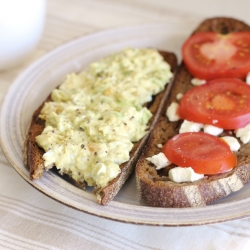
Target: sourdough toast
[154,186]
[33,153]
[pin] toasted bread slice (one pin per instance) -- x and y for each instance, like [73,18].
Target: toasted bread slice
[154,186]
[33,154]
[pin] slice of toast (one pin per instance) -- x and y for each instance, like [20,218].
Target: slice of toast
[33,154]
[154,186]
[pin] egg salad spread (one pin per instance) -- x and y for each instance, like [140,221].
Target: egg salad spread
[96,115]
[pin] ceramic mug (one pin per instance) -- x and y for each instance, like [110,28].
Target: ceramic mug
[21,27]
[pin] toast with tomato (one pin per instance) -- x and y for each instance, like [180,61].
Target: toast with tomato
[33,153]
[218,48]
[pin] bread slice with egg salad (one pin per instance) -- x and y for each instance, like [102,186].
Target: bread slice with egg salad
[94,125]
[199,150]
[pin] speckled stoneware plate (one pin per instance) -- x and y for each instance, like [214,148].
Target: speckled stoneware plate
[34,85]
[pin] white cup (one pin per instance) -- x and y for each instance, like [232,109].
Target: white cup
[21,27]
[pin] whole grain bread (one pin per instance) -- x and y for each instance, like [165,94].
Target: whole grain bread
[33,154]
[154,186]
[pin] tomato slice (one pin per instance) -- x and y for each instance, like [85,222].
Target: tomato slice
[205,153]
[209,55]
[223,102]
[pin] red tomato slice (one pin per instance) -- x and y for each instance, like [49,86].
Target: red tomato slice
[209,55]
[206,154]
[223,102]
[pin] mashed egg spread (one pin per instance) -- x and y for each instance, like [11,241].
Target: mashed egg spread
[95,116]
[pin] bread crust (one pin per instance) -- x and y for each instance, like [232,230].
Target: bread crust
[154,186]
[33,154]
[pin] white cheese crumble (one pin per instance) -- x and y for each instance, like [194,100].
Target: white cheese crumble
[212,130]
[180,174]
[179,96]
[188,126]
[177,174]
[198,82]
[243,133]
[159,145]
[159,160]
[232,142]
[171,112]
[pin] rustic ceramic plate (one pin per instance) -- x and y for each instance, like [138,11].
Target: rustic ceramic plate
[34,85]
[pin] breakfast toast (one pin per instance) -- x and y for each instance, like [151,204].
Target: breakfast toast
[33,154]
[154,186]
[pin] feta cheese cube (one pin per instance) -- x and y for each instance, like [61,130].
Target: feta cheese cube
[181,174]
[188,126]
[243,133]
[171,113]
[232,142]
[159,160]
[197,82]
[179,96]
[212,130]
